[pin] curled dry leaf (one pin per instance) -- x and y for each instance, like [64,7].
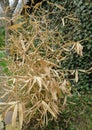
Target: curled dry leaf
[79,49]
[66,87]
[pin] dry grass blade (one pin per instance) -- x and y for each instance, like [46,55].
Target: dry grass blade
[16,26]
[46,106]
[14,116]
[58,6]
[9,103]
[76,76]
[20,115]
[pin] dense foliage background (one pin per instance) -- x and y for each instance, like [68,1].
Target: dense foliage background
[80,31]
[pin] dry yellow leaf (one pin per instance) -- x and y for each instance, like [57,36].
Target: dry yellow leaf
[79,49]
[46,106]
[16,26]
[14,116]
[76,76]
[20,115]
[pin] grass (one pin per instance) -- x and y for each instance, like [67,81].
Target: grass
[3,63]
[3,60]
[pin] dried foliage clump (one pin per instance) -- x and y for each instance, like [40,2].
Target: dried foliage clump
[37,88]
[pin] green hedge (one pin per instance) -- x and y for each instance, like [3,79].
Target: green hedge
[80,31]
[78,27]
